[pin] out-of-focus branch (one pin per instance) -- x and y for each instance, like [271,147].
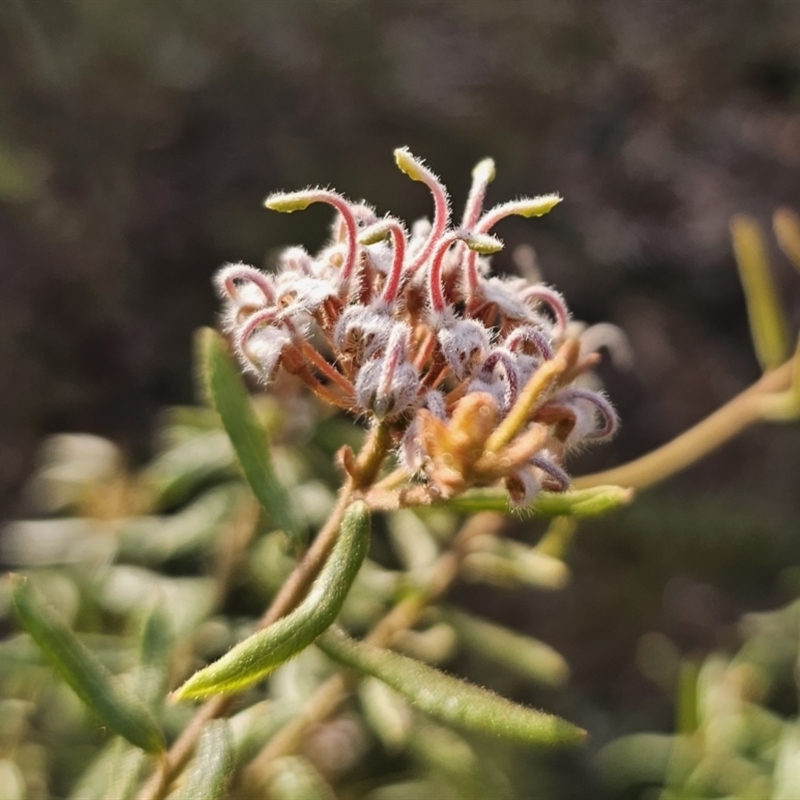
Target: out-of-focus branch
[735,416]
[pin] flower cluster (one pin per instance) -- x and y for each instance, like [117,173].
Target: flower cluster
[476,378]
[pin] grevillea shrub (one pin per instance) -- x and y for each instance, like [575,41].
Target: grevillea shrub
[226,622]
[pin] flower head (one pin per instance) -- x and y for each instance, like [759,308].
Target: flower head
[475,376]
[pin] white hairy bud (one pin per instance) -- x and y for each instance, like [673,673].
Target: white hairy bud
[464,344]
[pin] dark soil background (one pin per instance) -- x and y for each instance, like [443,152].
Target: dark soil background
[138,139]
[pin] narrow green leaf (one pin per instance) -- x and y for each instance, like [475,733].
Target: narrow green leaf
[509,564]
[113,774]
[295,778]
[179,470]
[255,657]
[252,728]
[387,713]
[433,645]
[523,654]
[449,699]
[229,396]
[82,671]
[786,225]
[155,539]
[768,325]
[787,765]
[12,780]
[212,766]
[558,537]
[687,713]
[634,761]
[454,763]
[158,639]
[576,503]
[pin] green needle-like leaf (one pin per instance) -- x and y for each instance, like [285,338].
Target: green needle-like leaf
[577,503]
[229,396]
[524,655]
[255,657]
[158,639]
[82,671]
[295,778]
[113,774]
[786,225]
[182,468]
[212,767]
[768,325]
[448,699]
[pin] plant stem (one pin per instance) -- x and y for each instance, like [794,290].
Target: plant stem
[373,454]
[744,410]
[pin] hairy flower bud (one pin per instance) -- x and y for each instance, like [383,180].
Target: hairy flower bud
[260,350]
[388,385]
[464,345]
[362,333]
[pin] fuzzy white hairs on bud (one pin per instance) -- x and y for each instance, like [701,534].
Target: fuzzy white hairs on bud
[464,345]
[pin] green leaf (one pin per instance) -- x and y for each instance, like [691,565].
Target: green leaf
[155,539]
[641,759]
[113,774]
[229,396]
[252,728]
[509,564]
[183,467]
[686,706]
[212,766]
[768,325]
[576,503]
[454,764]
[523,654]
[786,225]
[158,639]
[82,671]
[295,778]
[387,713]
[449,699]
[255,657]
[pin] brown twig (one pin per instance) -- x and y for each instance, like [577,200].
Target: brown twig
[744,410]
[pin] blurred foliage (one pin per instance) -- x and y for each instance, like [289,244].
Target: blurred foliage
[134,579]
[137,140]
[160,570]
[737,728]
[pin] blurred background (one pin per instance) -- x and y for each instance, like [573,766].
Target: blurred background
[139,138]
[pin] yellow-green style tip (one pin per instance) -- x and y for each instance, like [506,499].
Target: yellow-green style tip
[410,165]
[374,233]
[538,206]
[287,202]
[484,171]
[483,243]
